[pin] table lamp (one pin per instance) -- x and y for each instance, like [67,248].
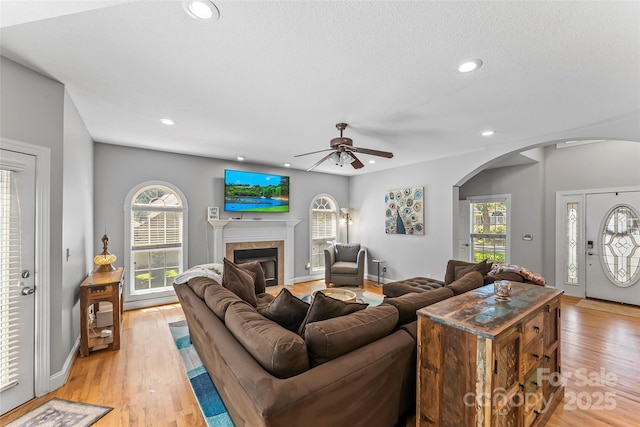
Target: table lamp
[105,259]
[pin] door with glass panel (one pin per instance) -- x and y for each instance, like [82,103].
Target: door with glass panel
[17,299]
[613,246]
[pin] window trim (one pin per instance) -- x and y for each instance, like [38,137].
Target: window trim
[491,199]
[139,300]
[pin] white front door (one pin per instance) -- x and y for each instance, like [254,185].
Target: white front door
[17,260]
[613,246]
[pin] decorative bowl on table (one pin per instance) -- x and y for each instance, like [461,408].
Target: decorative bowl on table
[339,294]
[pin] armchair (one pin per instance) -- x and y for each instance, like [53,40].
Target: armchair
[344,264]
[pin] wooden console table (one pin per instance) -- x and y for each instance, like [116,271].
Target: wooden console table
[483,362]
[96,288]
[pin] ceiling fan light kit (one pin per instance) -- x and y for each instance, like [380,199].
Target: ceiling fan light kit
[343,151]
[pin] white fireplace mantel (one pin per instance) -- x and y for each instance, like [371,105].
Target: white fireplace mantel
[256,230]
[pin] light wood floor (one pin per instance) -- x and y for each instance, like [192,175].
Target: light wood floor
[145,383]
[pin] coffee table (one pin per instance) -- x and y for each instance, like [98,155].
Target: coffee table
[361,296]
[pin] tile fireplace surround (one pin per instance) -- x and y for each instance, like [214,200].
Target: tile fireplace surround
[233,234]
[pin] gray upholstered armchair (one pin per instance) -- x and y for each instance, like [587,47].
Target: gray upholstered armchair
[344,264]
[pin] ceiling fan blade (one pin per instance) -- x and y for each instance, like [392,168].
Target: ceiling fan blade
[315,165]
[386,154]
[313,152]
[357,164]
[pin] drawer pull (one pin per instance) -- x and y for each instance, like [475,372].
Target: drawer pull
[547,357]
[536,329]
[536,356]
[535,384]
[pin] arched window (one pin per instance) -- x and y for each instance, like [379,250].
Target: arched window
[157,226]
[323,220]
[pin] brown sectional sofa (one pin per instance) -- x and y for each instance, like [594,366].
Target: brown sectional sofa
[352,370]
[454,279]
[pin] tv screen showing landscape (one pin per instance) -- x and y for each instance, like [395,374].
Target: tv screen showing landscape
[255,192]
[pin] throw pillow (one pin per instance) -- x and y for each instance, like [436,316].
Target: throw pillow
[323,307]
[240,282]
[255,268]
[481,267]
[450,275]
[347,252]
[286,310]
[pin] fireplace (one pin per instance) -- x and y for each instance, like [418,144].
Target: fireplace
[230,235]
[270,254]
[267,257]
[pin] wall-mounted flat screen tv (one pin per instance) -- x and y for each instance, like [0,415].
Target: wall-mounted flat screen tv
[255,192]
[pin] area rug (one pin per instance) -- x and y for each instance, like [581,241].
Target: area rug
[610,307]
[64,413]
[213,410]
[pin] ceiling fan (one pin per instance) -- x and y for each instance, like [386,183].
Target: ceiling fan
[343,151]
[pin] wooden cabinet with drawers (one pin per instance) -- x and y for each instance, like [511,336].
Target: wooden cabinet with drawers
[484,362]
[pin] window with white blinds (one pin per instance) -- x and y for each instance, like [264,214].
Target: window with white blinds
[10,267]
[157,217]
[323,229]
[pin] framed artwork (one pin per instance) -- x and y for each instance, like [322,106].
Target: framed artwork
[404,211]
[213,212]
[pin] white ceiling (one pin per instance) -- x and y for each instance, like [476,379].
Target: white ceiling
[270,79]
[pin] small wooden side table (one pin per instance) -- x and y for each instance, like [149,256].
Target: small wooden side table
[96,288]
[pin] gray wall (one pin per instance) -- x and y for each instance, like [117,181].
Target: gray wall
[118,169]
[610,164]
[35,110]
[77,225]
[524,184]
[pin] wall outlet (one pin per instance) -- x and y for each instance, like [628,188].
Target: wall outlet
[384,269]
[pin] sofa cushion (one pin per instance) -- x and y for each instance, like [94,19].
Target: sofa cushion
[280,352]
[467,283]
[240,282]
[408,304]
[200,284]
[255,267]
[505,275]
[323,307]
[286,310]
[218,299]
[264,299]
[347,252]
[453,265]
[331,338]
[414,284]
[344,267]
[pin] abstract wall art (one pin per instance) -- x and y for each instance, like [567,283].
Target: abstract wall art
[404,211]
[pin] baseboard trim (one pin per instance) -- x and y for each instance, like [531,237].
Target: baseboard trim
[308,278]
[59,379]
[132,305]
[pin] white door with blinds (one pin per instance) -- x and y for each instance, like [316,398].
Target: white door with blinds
[17,260]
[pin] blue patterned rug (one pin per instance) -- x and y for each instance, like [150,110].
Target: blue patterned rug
[213,410]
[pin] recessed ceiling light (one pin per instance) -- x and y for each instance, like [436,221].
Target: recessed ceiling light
[167,122]
[468,66]
[241,158]
[372,161]
[201,9]
[286,165]
[488,132]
